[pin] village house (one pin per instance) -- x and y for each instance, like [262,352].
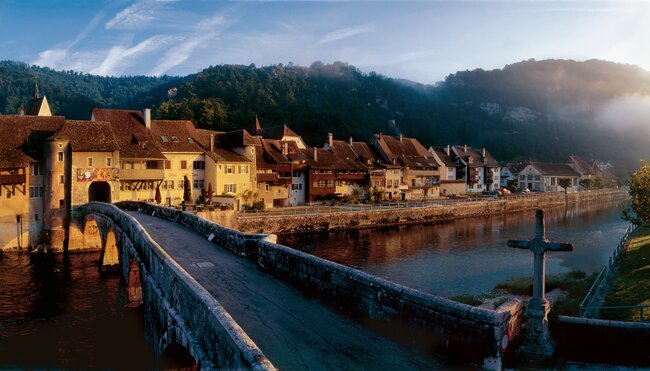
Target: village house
[141,162]
[420,170]
[545,177]
[352,173]
[482,171]
[452,179]
[509,172]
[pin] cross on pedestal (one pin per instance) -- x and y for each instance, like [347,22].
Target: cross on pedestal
[538,340]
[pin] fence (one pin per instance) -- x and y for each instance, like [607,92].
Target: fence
[391,205]
[587,308]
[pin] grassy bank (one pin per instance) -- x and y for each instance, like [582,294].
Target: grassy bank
[575,284]
[631,285]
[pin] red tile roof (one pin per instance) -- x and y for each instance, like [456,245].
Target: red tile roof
[24,137]
[407,151]
[555,169]
[467,152]
[87,136]
[175,136]
[134,139]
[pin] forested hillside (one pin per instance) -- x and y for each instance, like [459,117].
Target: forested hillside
[542,110]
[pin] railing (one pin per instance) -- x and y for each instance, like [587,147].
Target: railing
[142,174]
[392,205]
[12,179]
[594,295]
[641,309]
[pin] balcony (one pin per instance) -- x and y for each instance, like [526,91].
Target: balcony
[12,179]
[142,174]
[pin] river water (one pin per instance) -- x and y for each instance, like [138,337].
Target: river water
[58,311]
[470,256]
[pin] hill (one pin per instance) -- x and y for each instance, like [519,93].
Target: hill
[543,110]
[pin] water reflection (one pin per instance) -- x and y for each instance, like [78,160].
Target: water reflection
[57,311]
[470,255]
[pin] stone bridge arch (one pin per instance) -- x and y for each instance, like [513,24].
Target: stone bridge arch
[180,316]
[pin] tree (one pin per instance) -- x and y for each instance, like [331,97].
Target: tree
[565,183]
[639,210]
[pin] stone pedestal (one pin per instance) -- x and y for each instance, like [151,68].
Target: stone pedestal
[537,346]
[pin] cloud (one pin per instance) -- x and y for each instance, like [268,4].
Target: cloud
[626,114]
[119,56]
[137,14]
[204,32]
[344,33]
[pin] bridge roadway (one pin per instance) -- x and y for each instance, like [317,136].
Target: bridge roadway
[294,331]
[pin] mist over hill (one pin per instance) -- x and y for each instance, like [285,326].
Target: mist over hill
[541,110]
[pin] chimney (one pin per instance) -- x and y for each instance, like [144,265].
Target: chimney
[146,114]
[401,137]
[350,140]
[465,147]
[21,111]
[315,154]
[284,148]
[211,142]
[448,150]
[394,160]
[330,139]
[483,151]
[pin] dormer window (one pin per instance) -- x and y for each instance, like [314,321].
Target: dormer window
[164,138]
[190,140]
[471,160]
[174,139]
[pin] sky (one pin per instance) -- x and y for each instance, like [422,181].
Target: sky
[421,40]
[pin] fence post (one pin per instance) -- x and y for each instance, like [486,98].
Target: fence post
[641,315]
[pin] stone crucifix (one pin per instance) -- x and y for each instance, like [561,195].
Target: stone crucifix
[538,340]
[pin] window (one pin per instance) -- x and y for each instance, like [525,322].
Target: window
[8,194]
[296,187]
[89,162]
[109,161]
[168,164]
[61,179]
[171,184]
[180,184]
[60,156]
[35,192]
[183,164]
[243,169]
[230,188]
[230,169]
[36,169]
[552,181]
[530,177]
[164,138]
[189,139]
[198,165]
[196,184]
[61,204]
[174,139]
[537,177]
[266,187]
[219,167]
[35,217]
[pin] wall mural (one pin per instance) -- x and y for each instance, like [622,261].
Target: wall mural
[98,174]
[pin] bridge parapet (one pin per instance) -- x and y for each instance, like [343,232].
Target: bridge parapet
[473,332]
[177,308]
[243,244]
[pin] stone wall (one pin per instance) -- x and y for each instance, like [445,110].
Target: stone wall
[474,333]
[308,223]
[597,340]
[178,309]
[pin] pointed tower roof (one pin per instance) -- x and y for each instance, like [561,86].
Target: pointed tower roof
[257,130]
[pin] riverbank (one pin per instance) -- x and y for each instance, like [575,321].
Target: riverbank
[429,214]
[631,284]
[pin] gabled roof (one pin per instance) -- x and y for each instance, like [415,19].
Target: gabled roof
[447,160]
[134,139]
[348,158]
[23,138]
[87,136]
[466,152]
[224,155]
[277,132]
[581,165]
[554,169]
[408,151]
[202,136]
[515,168]
[175,136]
[325,159]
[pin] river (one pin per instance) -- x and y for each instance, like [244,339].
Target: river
[58,311]
[470,256]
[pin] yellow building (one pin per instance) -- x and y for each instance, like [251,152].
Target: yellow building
[185,159]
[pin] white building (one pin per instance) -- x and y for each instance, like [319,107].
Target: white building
[544,177]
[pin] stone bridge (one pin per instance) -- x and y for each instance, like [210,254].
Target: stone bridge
[224,295]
